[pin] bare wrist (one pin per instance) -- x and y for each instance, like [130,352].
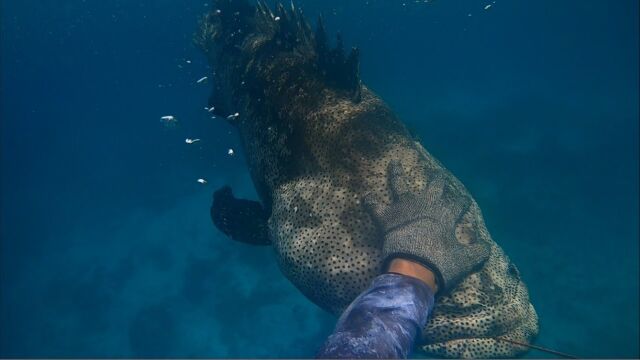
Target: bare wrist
[415,270]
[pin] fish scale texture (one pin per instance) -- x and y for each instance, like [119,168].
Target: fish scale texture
[328,246]
[315,146]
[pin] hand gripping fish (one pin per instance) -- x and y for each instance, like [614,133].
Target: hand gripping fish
[316,142]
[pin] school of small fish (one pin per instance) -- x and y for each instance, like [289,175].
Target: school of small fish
[171,120]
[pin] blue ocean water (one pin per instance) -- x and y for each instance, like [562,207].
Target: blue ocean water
[106,246]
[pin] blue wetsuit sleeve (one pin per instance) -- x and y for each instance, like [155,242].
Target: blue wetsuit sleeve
[383,321]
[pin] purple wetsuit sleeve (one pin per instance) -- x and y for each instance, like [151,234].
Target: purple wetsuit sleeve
[383,321]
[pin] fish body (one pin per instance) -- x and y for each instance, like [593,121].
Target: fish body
[316,141]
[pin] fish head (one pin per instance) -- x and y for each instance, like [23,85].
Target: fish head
[270,59]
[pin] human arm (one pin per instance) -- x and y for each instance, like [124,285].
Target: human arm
[383,321]
[419,242]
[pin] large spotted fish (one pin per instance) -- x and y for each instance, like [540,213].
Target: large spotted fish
[316,141]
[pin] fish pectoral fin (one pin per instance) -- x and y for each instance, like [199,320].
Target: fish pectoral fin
[242,220]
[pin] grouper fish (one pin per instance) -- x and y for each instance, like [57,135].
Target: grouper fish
[317,141]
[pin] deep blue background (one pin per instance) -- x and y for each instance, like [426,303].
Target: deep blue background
[106,245]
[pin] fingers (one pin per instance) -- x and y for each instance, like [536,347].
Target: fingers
[372,205]
[457,208]
[474,255]
[450,210]
[435,188]
[481,250]
[398,184]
